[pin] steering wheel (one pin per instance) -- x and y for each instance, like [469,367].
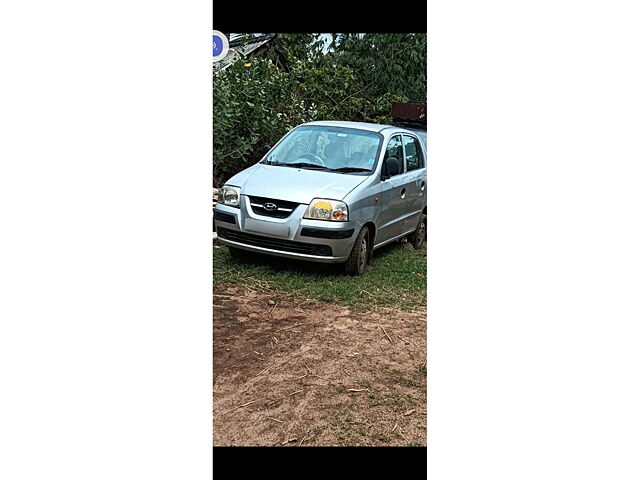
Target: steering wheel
[313,156]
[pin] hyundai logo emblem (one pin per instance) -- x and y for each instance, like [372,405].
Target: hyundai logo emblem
[270,207]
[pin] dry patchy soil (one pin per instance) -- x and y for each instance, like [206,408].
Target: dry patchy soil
[305,372]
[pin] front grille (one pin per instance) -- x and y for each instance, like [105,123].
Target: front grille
[283,208]
[275,243]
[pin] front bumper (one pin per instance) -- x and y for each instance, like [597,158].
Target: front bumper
[292,237]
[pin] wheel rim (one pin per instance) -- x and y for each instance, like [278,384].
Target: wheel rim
[362,260]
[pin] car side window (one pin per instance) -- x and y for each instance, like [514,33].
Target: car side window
[414,153]
[394,149]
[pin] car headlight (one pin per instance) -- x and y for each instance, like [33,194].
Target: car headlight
[229,195]
[324,209]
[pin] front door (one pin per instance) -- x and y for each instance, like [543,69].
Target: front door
[394,203]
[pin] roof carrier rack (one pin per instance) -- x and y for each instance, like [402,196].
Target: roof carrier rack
[409,114]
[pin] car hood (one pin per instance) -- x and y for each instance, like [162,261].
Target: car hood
[294,184]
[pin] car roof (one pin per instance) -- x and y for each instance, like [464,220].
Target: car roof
[371,127]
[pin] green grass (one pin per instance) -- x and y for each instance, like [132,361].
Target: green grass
[396,277]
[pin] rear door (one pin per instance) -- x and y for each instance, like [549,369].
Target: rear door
[416,180]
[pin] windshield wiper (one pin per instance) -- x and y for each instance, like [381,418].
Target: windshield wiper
[350,169]
[305,165]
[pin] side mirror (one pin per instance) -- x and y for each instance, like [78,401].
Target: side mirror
[266,149]
[390,167]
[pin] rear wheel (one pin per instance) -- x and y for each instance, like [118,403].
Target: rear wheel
[418,237]
[360,254]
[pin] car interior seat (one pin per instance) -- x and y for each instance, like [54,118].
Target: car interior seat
[334,154]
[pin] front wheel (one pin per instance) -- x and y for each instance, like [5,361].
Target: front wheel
[237,253]
[418,236]
[359,255]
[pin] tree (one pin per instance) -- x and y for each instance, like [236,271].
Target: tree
[386,62]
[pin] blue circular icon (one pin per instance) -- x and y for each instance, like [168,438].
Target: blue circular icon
[220,46]
[217,45]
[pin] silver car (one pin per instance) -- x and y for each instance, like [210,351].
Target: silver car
[328,192]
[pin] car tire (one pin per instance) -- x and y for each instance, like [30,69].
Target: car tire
[236,253]
[419,235]
[360,254]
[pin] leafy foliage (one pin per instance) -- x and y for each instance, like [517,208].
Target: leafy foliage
[386,62]
[255,103]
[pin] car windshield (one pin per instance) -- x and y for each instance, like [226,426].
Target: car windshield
[338,149]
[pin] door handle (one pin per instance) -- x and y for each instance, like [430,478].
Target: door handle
[422,186]
[403,193]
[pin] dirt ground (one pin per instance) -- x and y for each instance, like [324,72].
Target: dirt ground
[313,373]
